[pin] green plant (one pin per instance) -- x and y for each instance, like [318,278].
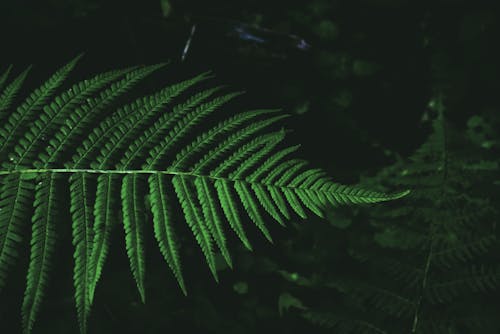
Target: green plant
[145,142]
[431,265]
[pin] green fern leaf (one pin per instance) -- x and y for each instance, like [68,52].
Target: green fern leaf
[229,166]
[205,140]
[81,214]
[461,253]
[42,128]
[163,229]
[10,91]
[42,247]
[15,197]
[127,128]
[252,208]
[104,211]
[266,201]
[225,146]
[212,217]
[133,222]
[195,219]
[230,209]
[134,150]
[276,195]
[181,128]
[246,156]
[271,163]
[277,202]
[5,76]
[295,203]
[90,147]
[14,213]
[309,197]
[107,184]
[287,170]
[83,114]
[25,113]
[155,132]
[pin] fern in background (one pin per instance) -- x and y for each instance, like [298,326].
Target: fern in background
[430,262]
[146,148]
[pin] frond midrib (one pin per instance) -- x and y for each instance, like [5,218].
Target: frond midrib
[170,172]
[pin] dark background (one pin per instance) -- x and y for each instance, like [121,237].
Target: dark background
[367,77]
[358,99]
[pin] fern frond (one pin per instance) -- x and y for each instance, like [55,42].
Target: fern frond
[230,208]
[133,222]
[310,202]
[271,163]
[279,201]
[10,91]
[81,214]
[127,128]
[133,217]
[154,133]
[84,114]
[35,136]
[451,256]
[99,135]
[42,247]
[5,76]
[276,195]
[104,213]
[15,196]
[189,203]
[25,113]
[284,172]
[291,177]
[229,166]
[248,155]
[266,201]
[163,229]
[385,299]
[289,168]
[52,115]
[181,128]
[211,215]
[252,208]
[295,203]
[20,199]
[206,139]
[225,146]
[475,279]
[436,251]
[106,183]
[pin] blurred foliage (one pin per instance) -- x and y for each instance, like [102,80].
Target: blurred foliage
[428,264]
[361,91]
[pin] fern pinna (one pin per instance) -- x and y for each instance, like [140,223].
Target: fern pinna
[141,149]
[432,265]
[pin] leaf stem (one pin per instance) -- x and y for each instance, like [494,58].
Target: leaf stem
[381,197]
